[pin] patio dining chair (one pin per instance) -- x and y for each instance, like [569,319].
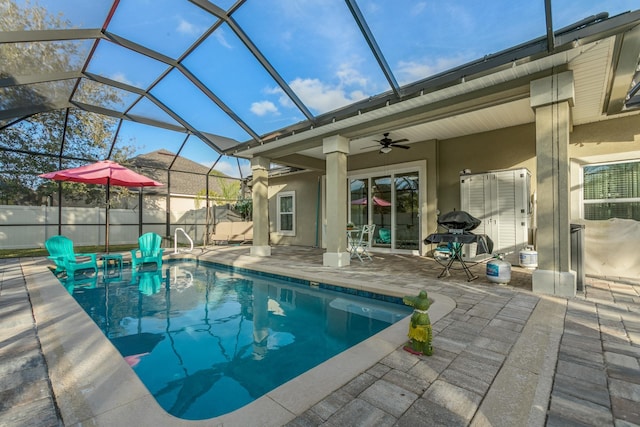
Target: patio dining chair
[360,248]
[61,252]
[149,251]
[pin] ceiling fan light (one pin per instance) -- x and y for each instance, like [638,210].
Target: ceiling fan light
[385,150]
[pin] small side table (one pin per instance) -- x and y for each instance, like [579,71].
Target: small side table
[111,265]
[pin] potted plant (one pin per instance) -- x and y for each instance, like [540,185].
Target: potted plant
[350,225]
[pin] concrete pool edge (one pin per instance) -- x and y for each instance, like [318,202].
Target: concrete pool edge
[93,384]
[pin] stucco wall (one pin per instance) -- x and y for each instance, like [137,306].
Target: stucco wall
[510,148]
[305,186]
[610,246]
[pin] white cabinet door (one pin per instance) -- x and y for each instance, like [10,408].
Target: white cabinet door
[501,201]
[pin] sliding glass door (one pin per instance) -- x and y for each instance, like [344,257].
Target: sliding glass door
[391,202]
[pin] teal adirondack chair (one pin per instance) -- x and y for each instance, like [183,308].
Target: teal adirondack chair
[149,282]
[384,236]
[149,251]
[61,252]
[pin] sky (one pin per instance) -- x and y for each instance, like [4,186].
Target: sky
[314,46]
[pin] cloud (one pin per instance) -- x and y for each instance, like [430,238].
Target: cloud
[220,36]
[418,8]
[350,76]
[121,77]
[227,168]
[230,168]
[186,27]
[411,71]
[323,97]
[263,108]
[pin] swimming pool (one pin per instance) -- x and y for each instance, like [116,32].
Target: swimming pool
[206,339]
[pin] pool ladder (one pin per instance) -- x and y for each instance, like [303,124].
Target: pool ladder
[175,241]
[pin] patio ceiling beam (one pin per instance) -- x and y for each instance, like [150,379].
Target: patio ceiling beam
[175,116]
[176,64]
[303,162]
[43,154]
[39,78]
[49,35]
[121,41]
[118,85]
[373,45]
[270,69]
[13,113]
[14,121]
[551,42]
[130,117]
[211,8]
[625,65]
[218,101]
[221,14]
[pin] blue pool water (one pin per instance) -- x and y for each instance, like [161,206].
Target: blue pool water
[206,339]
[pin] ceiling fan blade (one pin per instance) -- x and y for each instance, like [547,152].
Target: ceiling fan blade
[400,140]
[400,146]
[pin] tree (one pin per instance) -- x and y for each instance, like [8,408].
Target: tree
[228,192]
[40,143]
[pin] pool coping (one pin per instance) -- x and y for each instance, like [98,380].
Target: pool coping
[94,385]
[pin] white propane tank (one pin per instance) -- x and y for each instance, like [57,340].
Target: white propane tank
[499,270]
[528,257]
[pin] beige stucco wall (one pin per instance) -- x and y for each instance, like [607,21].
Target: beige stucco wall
[607,244]
[510,148]
[305,186]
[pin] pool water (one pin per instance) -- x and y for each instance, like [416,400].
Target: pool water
[206,339]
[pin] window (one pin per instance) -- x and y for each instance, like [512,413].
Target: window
[612,191]
[287,213]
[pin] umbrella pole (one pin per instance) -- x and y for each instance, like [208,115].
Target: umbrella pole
[106,225]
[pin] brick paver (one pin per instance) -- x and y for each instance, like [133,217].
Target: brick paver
[596,379]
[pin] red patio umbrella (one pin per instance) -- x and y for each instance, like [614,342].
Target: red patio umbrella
[376,201]
[105,172]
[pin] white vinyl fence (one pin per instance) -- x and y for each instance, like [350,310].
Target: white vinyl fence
[25,227]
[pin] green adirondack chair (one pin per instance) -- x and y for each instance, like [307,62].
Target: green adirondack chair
[149,251]
[61,252]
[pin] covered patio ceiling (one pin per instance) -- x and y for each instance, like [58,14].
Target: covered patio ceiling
[269,77]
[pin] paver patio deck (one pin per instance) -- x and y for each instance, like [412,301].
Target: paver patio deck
[503,356]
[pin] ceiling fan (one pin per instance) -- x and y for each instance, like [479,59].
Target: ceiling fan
[387,143]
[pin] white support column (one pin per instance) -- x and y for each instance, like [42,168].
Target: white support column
[336,149]
[552,98]
[260,196]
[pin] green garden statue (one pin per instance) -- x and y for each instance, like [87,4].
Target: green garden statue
[420,334]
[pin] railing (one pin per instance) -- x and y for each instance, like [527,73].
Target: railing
[175,240]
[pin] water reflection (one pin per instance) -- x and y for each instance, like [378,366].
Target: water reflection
[149,282]
[206,341]
[82,279]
